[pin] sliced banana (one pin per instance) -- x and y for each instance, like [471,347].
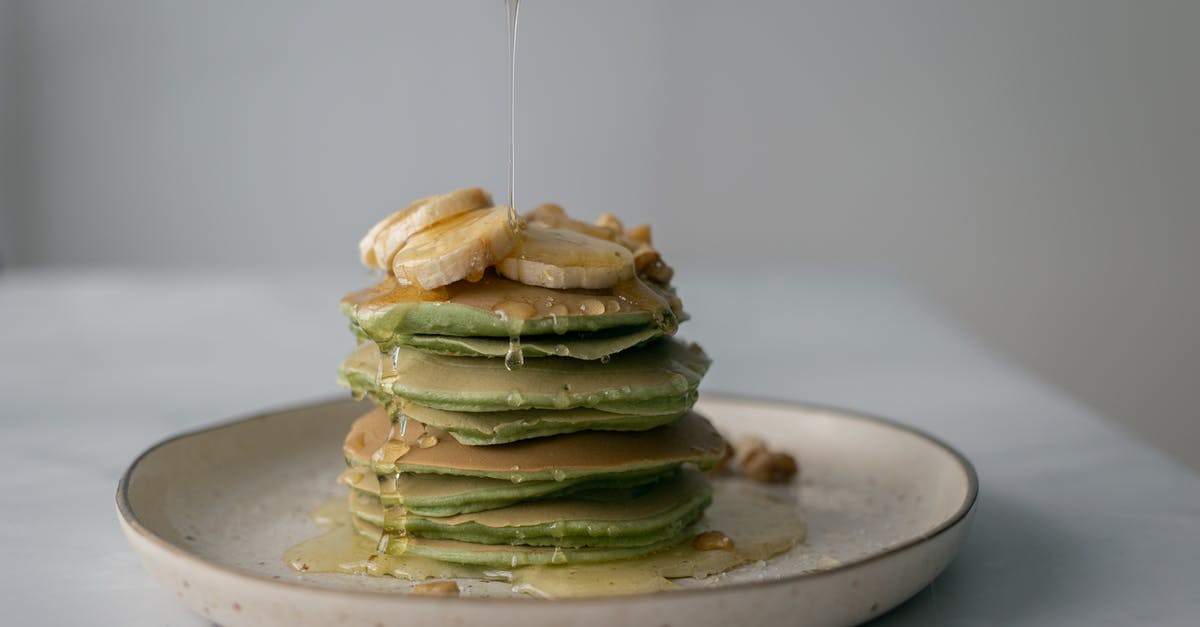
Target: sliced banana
[563,258]
[388,236]
[460,247]
[607,226]
[553,216]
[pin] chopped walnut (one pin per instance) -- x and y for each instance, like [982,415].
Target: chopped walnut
[437,589]
[659,272]
[639,234]
[644,256]
[609,221]
[746,446]
[768,467]
[753,460]
[712,541]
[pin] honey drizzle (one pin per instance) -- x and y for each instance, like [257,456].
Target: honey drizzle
[512,7]
[761,525]
[493,294]
[384,459]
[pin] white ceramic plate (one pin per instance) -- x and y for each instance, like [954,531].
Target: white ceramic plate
[211,513]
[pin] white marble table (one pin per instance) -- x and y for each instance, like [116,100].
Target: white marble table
[1078,524]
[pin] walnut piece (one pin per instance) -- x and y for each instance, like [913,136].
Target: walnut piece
[768,467]
[753,460]
[659,272]
[609,221]
[644,256]
[639,234]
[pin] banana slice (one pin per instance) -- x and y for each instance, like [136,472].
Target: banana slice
[566,259]
[460,247]
[385,238]
[647,260]
[554,216]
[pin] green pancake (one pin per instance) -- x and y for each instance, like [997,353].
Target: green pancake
[657,379]
[501,427]
[621,520]
[449,495]
[578,346]
[374,445]
[510,556]
[387,313]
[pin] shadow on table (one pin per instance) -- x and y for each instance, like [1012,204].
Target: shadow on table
[1006,574]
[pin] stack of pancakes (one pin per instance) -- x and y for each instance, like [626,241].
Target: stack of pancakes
[519,424]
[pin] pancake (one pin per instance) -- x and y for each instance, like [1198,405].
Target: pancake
[578,345]
[657,379]
[498,307]
[500,427]
[691,439]
[510,556]
[518,424]
[448,495]
[621,520]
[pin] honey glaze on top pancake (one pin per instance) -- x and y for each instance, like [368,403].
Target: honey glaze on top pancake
[690,439]
[494,293]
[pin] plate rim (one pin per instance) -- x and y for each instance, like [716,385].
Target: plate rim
[129,518]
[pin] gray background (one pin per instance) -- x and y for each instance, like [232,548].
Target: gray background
[1032,166]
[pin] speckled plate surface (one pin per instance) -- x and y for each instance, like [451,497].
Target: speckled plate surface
[210,513]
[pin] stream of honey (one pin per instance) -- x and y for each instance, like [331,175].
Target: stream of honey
[512,7]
